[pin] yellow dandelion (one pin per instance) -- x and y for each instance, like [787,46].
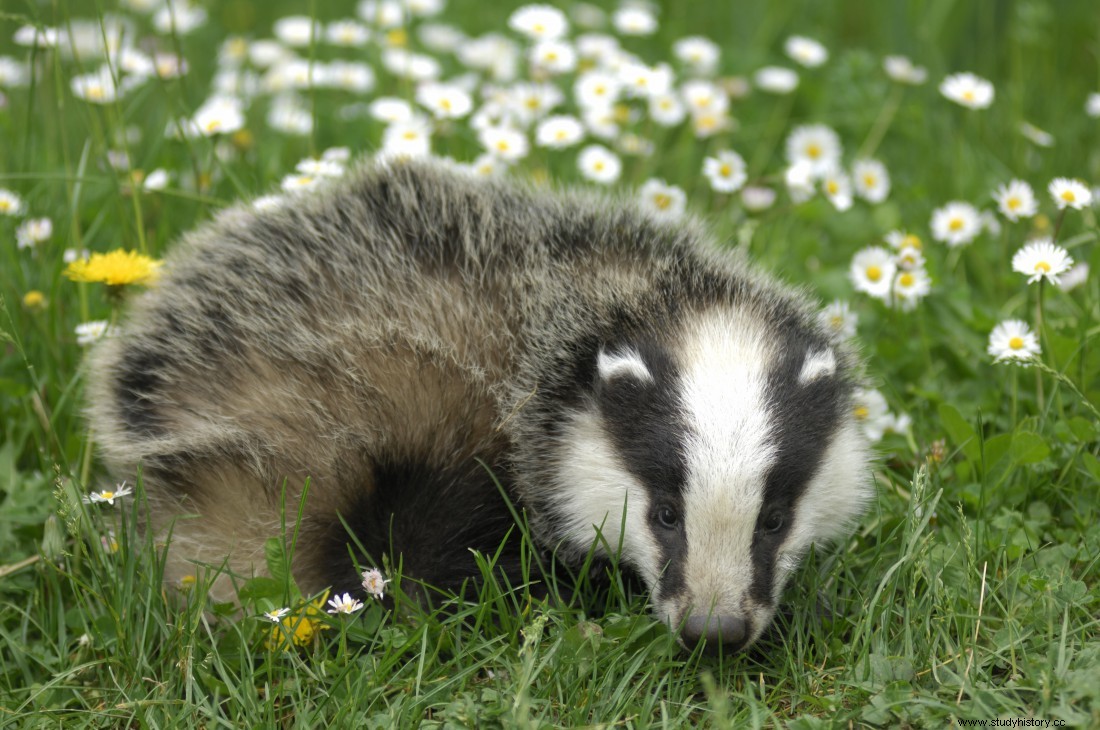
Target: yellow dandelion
[117,268]
[34,299]
[299,627]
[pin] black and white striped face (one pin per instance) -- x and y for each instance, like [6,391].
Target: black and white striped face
[714,463]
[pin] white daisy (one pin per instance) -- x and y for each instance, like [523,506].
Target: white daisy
[559,131]
[756,198]
[871,412]
[98,87]
[108,495]
[909,258]
[1013,340]
[13,73]
[440,37]
[1069,193]
[910,286]
[705,97]
[179,17]
[553,57]
[872,272]
[634,20]
[410,138]
[640,80]
[531,101]
[726,171]
[296,184]
[799,178]
[871,180]
[775,80]
[352,76]
[1075,277]
[486,165]
[599,164]
[699,54]
[666,110]
[839,320]
[504,142]
[374,582]
[10,203]
[1016,200]
[288,115]
[276,615]
[33,232]
[1036,136]
[662,200]
[805,51]
[815,144]
[411,66]
[968,90]
[956,223]
[156,180]
[347,32]
[30,36]
[902,70]
[596,89]
[219,115]
[1041,259]
[901,239]
[837,189]
[444,101]
[89,332]
[344,604]
[1092,105]
[297,30]
[539,22]
[391,110]
[320,167]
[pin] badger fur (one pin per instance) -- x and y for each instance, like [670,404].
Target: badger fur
[411,335]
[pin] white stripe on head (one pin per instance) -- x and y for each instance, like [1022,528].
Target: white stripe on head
[626,362]
[725,361]
[592,492]
[820,364]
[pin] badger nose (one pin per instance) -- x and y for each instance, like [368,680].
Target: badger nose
[729,632]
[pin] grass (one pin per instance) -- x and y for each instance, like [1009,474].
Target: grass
[969,592]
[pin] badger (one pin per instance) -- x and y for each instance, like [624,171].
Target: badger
[435,356]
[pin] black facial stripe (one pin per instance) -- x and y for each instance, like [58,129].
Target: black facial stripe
[645,421]
[803,417]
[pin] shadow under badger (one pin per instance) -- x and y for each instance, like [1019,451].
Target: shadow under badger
[388,336]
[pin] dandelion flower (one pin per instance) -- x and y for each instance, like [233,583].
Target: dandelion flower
[599,164]
[374,583]
[117,268]
[725,171]
[1016,200]
[33,232]
[662,200]
[344,604]
[903,71]
[1041,260]
[968,90]
[298,627]
[870,180]
[1013,340]
[956,223]
[805,51]
[34,299]
[276,615]
[872,272]
[1069,193]
[108,495]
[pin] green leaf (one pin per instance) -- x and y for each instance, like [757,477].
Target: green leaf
[961,433]
[275,555]
[1029,448]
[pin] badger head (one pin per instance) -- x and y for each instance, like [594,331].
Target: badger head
[711,462]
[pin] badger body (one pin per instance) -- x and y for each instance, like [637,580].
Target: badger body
[423,348]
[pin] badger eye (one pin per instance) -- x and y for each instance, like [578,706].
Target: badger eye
[667,517]
[773,522]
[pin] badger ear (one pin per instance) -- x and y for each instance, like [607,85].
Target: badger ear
[820,364]
[622,363]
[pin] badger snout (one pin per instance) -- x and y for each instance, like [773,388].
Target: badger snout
[726,631]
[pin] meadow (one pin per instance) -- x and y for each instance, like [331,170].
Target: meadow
[925,169]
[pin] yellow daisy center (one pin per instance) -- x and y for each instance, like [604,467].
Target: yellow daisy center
[107,495]
[532,103]
[968,95]
[1012,203]
[397,37]
[1068,196]
[861,413]
[1016,343]
[1042,266]
[907,280]
[725,170]
[662,201]
[813,151]
[869,180]
[410,135]
[874,273]
[833,187]
[956,224]
[503,145]
[911,240]
[598,166]
[5,205]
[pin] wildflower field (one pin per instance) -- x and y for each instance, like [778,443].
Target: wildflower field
[927,170]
